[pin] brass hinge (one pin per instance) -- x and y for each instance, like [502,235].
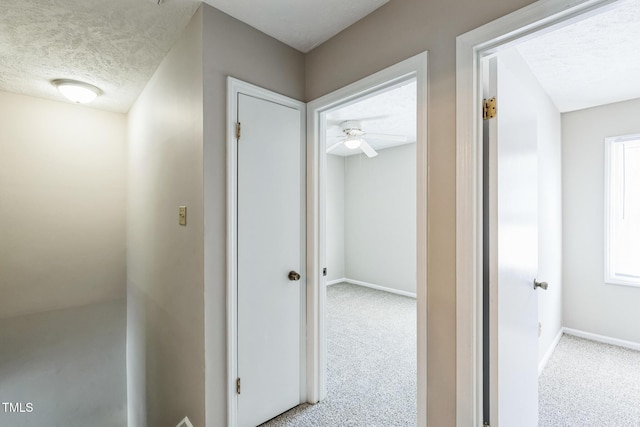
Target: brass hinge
[238,130]
[486,425]
[238,386]
[489,108]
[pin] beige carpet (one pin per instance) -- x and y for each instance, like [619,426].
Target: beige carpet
[590,384]
[371,338]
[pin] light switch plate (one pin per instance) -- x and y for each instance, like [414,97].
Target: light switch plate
[182,215]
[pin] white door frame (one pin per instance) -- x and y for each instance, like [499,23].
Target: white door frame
[471,47]
[414,67]
[234,87]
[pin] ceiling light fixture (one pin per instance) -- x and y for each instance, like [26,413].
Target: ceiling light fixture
[352,143]
[76,91]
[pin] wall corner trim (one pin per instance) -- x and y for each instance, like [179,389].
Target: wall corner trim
[545,359]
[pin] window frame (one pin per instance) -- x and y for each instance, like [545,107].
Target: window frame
[609,209]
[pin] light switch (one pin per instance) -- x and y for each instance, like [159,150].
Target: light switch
[182,215]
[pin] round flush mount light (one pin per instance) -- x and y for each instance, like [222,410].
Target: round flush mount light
[75,91]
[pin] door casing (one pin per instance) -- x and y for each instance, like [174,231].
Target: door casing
[412,68]
[539,17]
[234,87]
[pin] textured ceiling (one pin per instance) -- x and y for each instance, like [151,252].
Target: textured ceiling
[302,24]
[116,45]
[113,44]
[393,112]
[592,62]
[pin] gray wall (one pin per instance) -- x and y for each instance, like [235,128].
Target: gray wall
[177,132]
[380,218]
[165,261]
[231,48]
[397,31]
[335,234]
[70,364]
[590,305]
[62,205]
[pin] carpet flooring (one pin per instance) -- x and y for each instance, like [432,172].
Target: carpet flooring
[371,378]
[589,384]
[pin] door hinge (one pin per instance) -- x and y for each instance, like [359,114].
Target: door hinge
[486,425]
[489,108]
[324,271]
[238,386]
[238,130]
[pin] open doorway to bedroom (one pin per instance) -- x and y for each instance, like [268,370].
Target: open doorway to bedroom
[371,257]
[581,366]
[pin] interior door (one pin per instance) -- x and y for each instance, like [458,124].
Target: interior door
[512,212]
[270,246]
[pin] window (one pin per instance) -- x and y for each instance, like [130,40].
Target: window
[622,210]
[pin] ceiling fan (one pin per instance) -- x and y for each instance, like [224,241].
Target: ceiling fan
[354,138]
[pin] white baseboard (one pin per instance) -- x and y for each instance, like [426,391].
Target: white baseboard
[336,281]
[380,288]
[603,339]
[545,359]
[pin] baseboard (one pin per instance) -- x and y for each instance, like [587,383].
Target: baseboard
[545,359]
[603,339]
[336,281]
[380,288]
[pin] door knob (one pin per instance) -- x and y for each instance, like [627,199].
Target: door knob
[543,285]
[293,276]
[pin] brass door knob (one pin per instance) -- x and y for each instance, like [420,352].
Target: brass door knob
[293,276]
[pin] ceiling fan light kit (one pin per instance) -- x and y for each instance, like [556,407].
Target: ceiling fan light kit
[354,138]
[352,142]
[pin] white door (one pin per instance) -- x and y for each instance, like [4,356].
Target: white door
[513,260]
[270,246]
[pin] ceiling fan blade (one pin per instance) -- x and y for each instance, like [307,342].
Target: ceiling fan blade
[334,122]
[334,146]
[370,118]
[338,121]
[366,149]
[387,137]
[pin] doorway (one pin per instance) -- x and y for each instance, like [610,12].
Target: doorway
[413,69]
[474,369]
[371,258]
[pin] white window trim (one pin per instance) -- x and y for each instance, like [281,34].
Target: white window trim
[609,277]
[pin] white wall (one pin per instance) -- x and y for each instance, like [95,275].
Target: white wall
[165,261]
[70,364]
[380,218]
[335,218]
[62,205]
[549,201]
[590,305]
